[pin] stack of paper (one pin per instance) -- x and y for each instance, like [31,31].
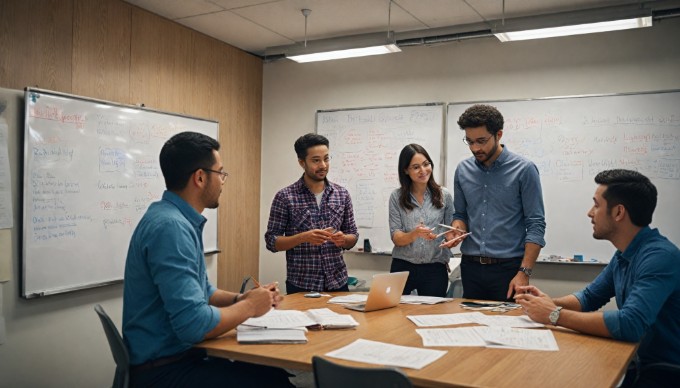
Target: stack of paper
[421,299]
[381,353]
[491,337]
[328,319]
[263,335]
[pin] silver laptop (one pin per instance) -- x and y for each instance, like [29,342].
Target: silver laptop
[385,292]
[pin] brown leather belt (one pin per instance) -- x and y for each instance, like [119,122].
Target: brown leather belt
[486,260]
[193,352]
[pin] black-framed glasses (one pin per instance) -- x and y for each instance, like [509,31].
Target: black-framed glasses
[223,175]
[480,141]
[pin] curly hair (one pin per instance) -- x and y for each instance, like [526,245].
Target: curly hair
[479,115]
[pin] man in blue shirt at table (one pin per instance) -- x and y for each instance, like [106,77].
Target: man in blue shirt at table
[643,276]
[497,197]
[168,303]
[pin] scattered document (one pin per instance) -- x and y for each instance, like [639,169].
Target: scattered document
[508,321]
[328,319]
[511,338]
[461,336]
[351,298]
[380,353]
[260,335]
[421,299]
[429,320]
[479,305]
[490,337]
[280,319]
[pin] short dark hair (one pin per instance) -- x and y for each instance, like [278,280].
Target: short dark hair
[406,183]
[305,142]
[478,115]
[183,154]
[632,190]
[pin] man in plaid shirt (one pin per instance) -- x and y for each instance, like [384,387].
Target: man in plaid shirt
[313,221]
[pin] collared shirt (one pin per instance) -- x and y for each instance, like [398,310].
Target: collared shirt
[645,279]
[502,205]
[421,251]
[294,210]
[166,291]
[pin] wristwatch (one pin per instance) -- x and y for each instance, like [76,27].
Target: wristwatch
[555,315]
[527,271]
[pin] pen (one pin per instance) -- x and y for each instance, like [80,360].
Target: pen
[452,228]
[257,284]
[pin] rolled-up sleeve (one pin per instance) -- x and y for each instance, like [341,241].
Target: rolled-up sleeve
[532,202]
[278,220]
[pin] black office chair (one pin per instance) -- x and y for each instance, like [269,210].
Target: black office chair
[331,375]
[657,375]
[120,353]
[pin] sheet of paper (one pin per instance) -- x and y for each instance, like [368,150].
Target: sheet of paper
[374,352]
[351,298]
[508,321]
[281,319]
[6,214]
[259,335]
[331,320]
[512,338]
[429,320]
[461,336]
[421,299]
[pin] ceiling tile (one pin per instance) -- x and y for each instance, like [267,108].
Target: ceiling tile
[175,9]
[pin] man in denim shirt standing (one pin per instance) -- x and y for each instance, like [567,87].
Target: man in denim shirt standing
[497,197]
[643,276]
[313,221]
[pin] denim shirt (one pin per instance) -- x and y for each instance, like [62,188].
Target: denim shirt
[421,251]
[502,205]
[166,289]
[645,279]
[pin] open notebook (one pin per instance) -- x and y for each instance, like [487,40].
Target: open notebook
[385,292]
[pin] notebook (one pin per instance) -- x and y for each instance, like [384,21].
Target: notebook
[385,292]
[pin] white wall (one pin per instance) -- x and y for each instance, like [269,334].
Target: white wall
[474,70]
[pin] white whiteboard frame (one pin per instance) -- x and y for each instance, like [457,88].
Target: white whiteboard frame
[30,294]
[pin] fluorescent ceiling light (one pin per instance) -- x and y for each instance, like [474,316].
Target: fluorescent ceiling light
[348,53]
[578,29]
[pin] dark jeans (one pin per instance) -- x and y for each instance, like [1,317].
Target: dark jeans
[292,289]
[430,279]
[650,377]
[199,370]
[488,281]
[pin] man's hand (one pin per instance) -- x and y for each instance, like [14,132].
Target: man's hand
[520,280]
[318,236]
[260,299]
[536,304]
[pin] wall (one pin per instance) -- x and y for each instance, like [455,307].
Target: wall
[111,50]
[473,70]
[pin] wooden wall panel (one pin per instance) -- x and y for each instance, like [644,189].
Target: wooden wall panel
[101,49]
[160,66]
[111,50]
[36,44]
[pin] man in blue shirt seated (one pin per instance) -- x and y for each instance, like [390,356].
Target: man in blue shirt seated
[643,275]
[168,303]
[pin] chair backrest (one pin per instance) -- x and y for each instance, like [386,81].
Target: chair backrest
[328,374]
[118,349]
[455,289]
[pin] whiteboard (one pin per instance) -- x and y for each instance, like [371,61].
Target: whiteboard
[571,139]
[90,171]
[365,146]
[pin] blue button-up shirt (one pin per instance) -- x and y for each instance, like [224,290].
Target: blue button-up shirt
[294,210]
[166,292]
[645,279]
[502,205]
[421,251]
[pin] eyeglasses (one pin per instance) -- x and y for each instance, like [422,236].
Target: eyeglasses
[480,141]
[417,167]
[317,161]
[223,175]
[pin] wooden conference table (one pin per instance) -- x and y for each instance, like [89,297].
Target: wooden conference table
[582,361]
